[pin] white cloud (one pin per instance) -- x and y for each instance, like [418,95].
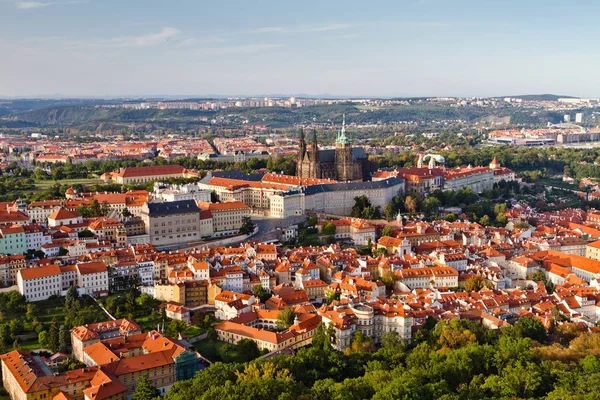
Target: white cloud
[28,5]
[31,4]
[156,38]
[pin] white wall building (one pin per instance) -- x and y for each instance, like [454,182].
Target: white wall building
[40,283]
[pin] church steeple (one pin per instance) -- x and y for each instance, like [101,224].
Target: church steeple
[342,139]
[302,144]
[315,147]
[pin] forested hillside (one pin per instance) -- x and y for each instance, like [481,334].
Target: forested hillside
[456,360]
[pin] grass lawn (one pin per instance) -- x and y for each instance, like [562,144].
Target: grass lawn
[192,331]
[44,185]
[368,108]
[145,324]
[48,309]
[32,344]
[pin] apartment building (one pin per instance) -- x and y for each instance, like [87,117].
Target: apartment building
[191,293]
[227,217]
[250,326]
[86,335]
[172,223]
[148,174]
[62,216]
[114,367]
[39,283]
[10,267]
[26,377]
[38,211]
[109,230]
[334,198]
[12,240]
[439,276]
[36,236]
[92,278]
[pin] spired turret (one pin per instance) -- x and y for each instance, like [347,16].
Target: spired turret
[342,139]
[302,144]
[301,154]
[315,147]
[343,155]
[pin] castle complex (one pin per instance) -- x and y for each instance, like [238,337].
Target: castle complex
[344,163]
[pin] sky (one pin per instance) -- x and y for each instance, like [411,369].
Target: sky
[374,48]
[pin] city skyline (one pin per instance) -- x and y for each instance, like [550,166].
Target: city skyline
[89,48]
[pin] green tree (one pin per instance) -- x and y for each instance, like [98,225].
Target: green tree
[450,217]
[16,327]
[53,335]
[430,205]
[518,380]
[285,318]
[175,327]
[247,226]
[43,339]
[332,296]
[260,293]
[531,328]
[361,344]
[95,209]
[387,231]
[484,221]
[145,390]
[501,220]
[71,296]
[540,276]
[31,312]
[389,212]
[410,203]
[475,283]
[328,228]
[499,208]
[63,339]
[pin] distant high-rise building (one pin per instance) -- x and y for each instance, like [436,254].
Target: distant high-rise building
[567,118]
[579,118]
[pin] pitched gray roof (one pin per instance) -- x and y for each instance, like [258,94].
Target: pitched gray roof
[173,207]
[335,187]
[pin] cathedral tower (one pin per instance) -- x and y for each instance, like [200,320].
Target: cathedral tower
[343,155]
[314,157]
[301,154]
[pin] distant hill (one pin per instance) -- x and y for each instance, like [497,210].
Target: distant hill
[539,97]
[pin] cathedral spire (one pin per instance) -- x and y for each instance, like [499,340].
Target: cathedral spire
[302,143]
[315,147]
[342,139]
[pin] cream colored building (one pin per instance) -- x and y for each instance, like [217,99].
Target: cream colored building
[148,174]
[592,250]
[478,179]
[227,217]
[334,198]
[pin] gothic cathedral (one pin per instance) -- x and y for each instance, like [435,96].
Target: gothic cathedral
[344,163]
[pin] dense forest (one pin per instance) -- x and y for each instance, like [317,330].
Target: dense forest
[451,360]
[91,117]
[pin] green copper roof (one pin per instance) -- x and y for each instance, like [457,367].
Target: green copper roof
[342,139]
